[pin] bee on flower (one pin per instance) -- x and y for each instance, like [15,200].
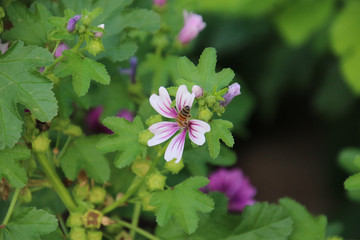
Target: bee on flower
[181,114]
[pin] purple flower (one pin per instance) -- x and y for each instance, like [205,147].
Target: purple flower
[99,34]
[233,91]
[72,23]
[234,185]
[93,123]
[4,47]
[130,71]
[193,24]
[165,130]
[160,2]
[60,48]
[197,90]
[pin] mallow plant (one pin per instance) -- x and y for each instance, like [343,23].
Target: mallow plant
[107,131]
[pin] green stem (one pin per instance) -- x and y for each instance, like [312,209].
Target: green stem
[63,226]
[68,140]
[135,219]
[56,182]
[56,45]
[138,230]
[11,207]
[131,190]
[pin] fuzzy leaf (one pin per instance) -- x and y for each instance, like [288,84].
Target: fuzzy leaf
[83,70]
[29,26]
[182,203]
[21,83]
[124,139]
[10,168]
[28,224]
[82,154]
[219,130]
[204,74]
[305,226]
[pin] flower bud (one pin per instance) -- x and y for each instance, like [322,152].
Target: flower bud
[140,167]
[210,100]
[60,48]
[74,220]
[153,119]
[73,130]
[198,91]
[95,46]
[4,47]
[77,233]
[94,235]
[233,91]
[145,201]
[97,195]
[72,23]
[99,34]
[81,192]
[193,24]
[156,182]
[174,167]
[205,114]
[145,136]
[25,195]
[92,219]
[41,143]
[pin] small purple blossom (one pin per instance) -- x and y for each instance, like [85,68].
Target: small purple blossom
[132,70]
[234,185]
[193,24]
[99,34]
[72,23]
[160,2]
[60,48]
[4,47]
[164,130]
[197,90]
[93,123]
[233,91]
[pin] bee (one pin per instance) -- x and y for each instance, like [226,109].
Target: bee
[183,116]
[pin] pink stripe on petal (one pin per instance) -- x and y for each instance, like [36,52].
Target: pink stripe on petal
[162,131]
[176,147]
[197,130]
[184,98]
[162,103]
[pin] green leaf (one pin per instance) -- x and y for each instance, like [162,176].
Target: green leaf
[21,83]
[10,168]
[300,19]
[353,182]
[124,139]
[82,70]
[305,226]
[204,74]
[28,224]
[263,221]
[82,154]
[29,26]
[182,203]
[117,52]
[347,159]
[219,130]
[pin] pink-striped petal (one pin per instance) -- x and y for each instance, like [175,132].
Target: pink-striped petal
[162,103]
[176,147]
[162,131]
[197,130]
[184,98]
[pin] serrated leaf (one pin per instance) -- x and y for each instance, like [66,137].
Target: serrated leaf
[219,130]
[10,168]
[182,203]
[82,154]
[353,182]
[299,20]
[204,74]
[305,226]
[83,70]
[124,139]
[20,83]
[117,52]
[29,26]
[28,224]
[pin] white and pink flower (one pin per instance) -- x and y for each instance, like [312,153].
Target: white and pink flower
[165,130]
[193,24]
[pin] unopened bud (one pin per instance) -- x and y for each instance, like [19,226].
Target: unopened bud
[99,34]
[145,136]
[74,220]
[94,235]
[92,219]
[25,195]
[198,91]
[145,201]
[205,114]
[210,100]
[77,233]
[95,46]
[97,195]
[41,143]
[156,182]
[153,119]
[140,167]
[73,130]
[174,167]
[81,191]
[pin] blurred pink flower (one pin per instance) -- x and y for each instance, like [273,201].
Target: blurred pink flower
[72,23]
[193,24]
[60,48]
[234,185]
[233,91]
[160,2]
[99,34]
[197,90]
[4,47]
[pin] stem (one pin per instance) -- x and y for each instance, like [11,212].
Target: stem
[135,219]
[57,44]
[63,226]
[68,140]
[138,230]
[133,189]
[11,207]
[56,182]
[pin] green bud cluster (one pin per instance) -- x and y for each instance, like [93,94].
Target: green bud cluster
[174,167]
[145,136]
[156,182]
